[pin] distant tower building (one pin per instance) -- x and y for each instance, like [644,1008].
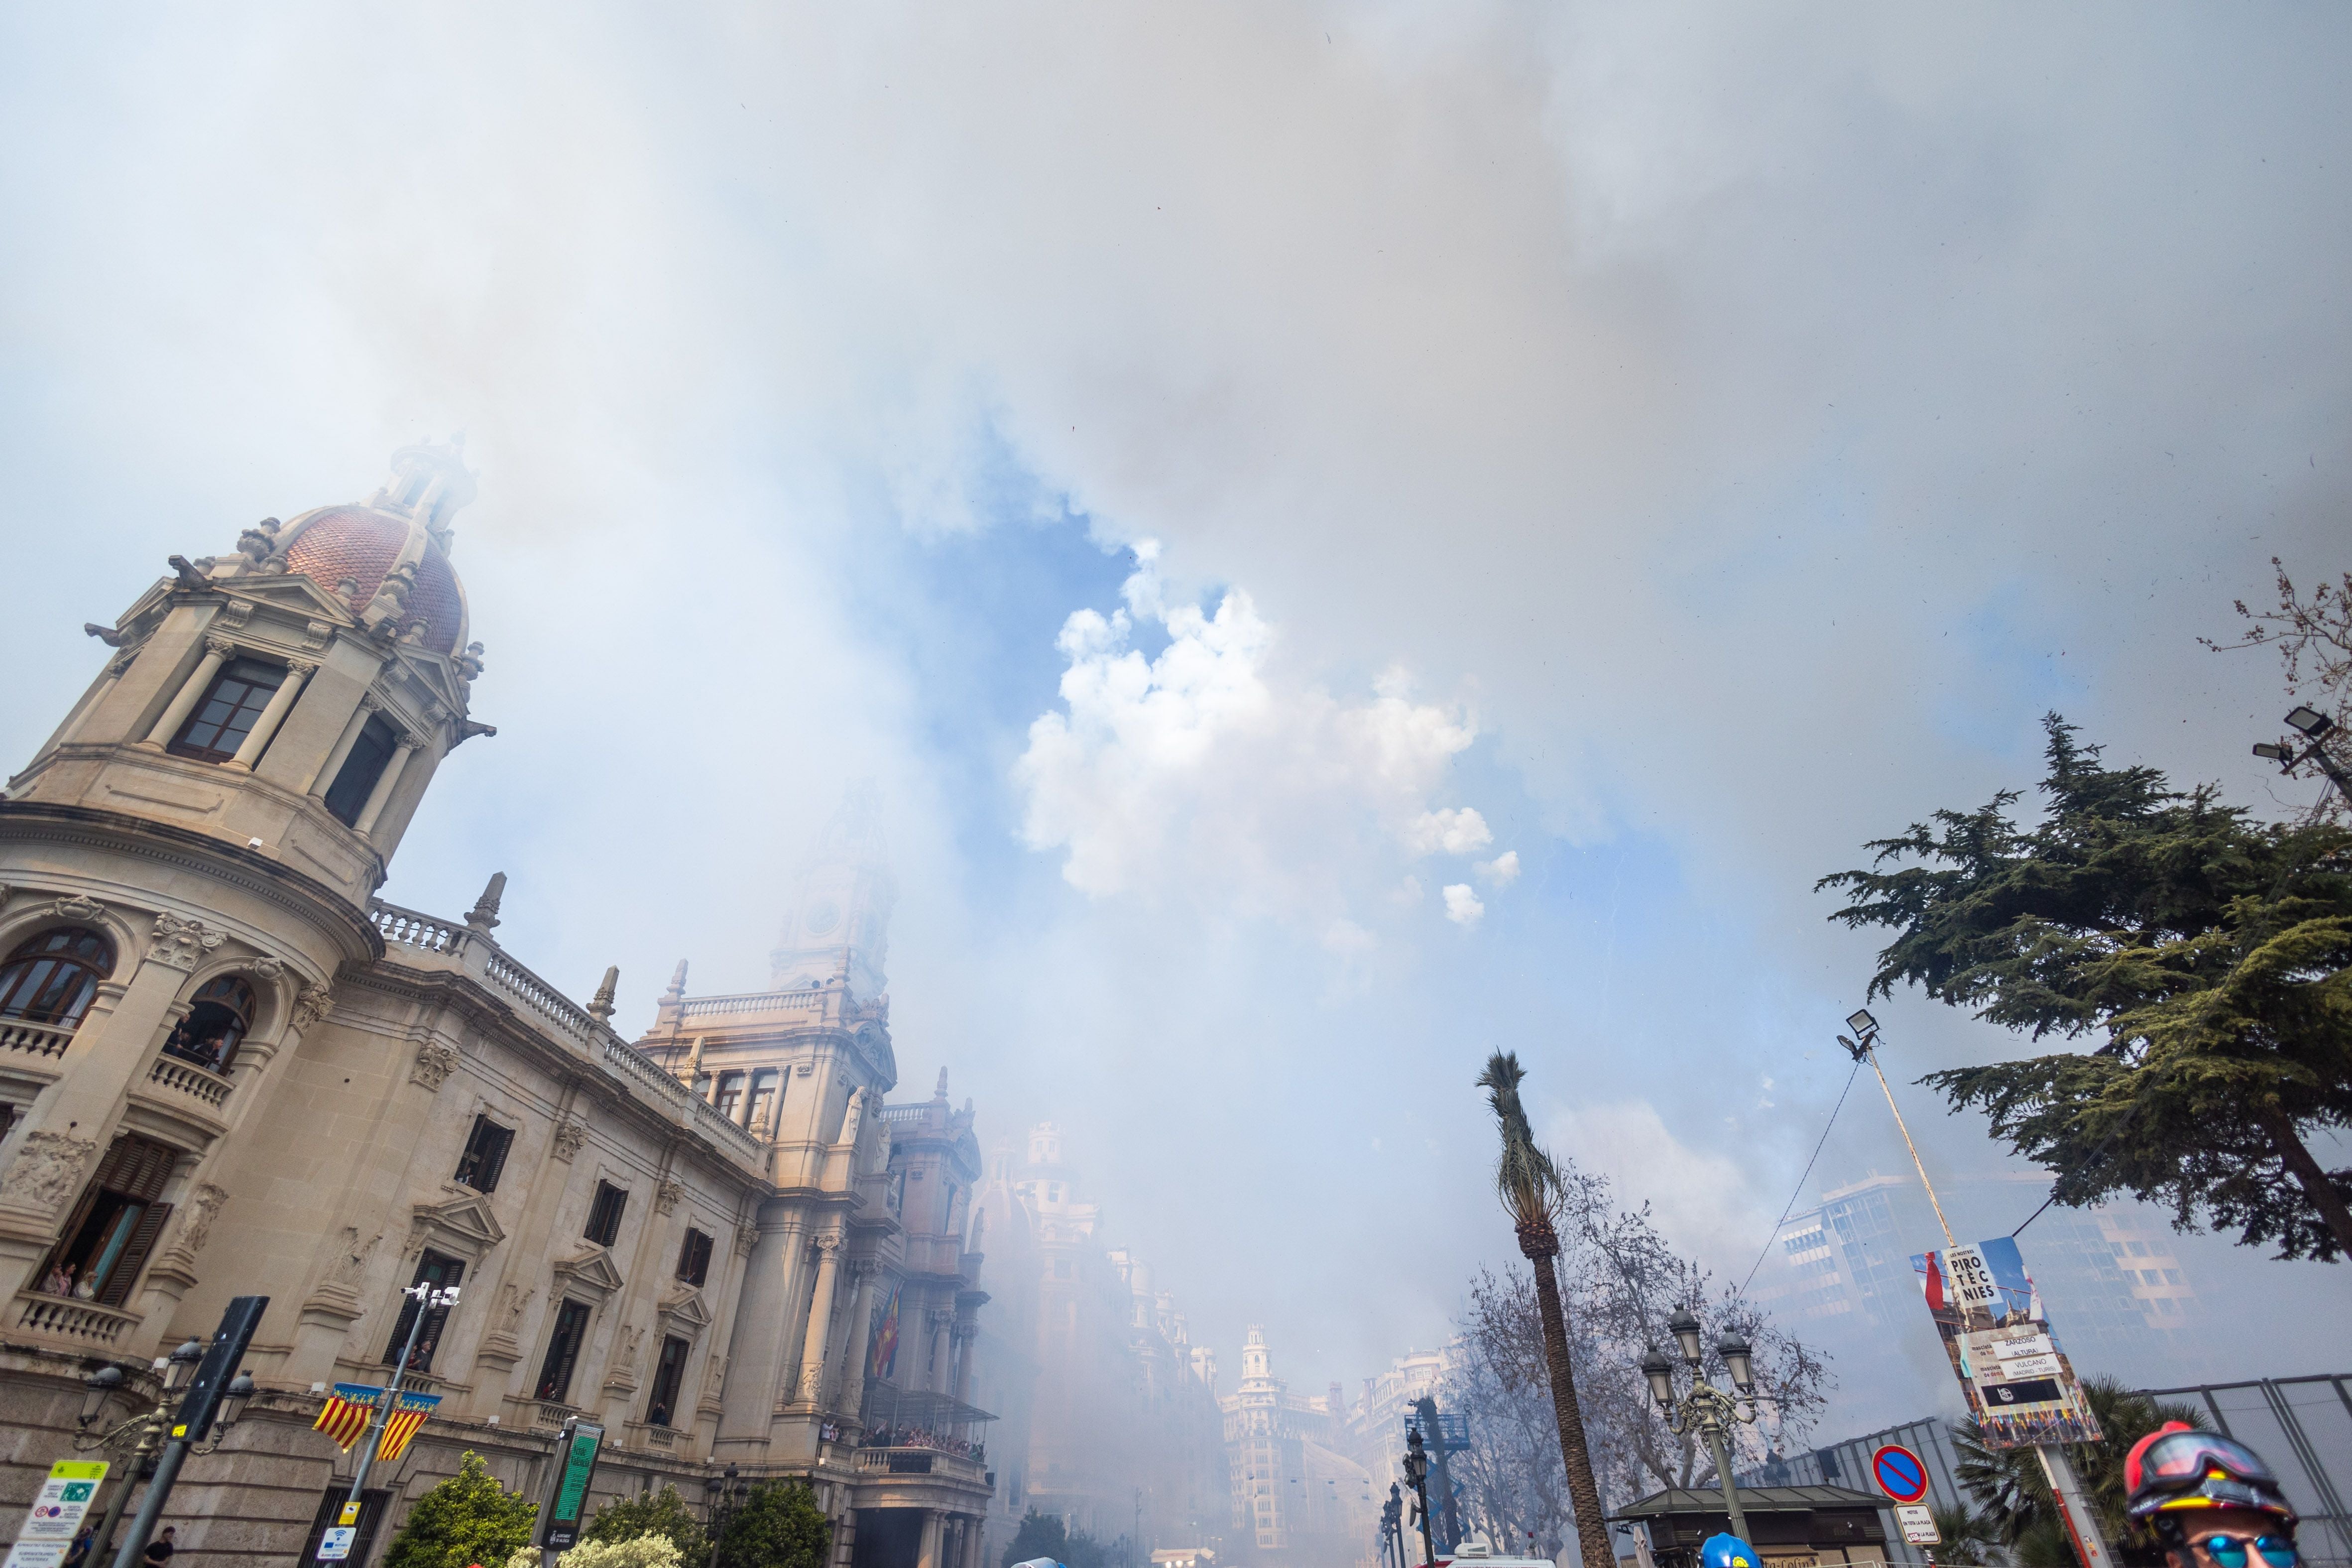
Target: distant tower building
[1296,1497]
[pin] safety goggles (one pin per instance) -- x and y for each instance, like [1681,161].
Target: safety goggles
[2229,1550]
[2184,1459]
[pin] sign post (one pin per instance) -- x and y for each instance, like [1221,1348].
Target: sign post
[567,1487]
[2021,1389]
[1902,1476]
[56,1513]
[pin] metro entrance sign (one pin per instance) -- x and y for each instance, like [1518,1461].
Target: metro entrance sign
[1899,1474]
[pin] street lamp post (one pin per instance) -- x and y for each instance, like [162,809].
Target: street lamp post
[143,1432]
[2315,726]
[721,1499]
[1705,1406]
[1416,1472]
[1392,1527]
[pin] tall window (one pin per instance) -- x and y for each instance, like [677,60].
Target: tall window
[730,1094]
[763,1099]
[347,797]
[51,978]
[115,1226]
[604,1214]
[432,1268]
[562,1351]
[486,1155]
[668,1373]
[694,1258]
[226,716]
[216,1023]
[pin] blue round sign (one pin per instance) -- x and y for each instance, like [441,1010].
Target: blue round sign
[1899,1473]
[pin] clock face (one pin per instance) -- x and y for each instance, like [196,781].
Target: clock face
[824,916]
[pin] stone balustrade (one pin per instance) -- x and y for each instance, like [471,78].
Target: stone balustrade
[200,1084]
[19,1036]
[79,1323]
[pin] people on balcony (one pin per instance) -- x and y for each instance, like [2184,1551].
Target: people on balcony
[216,1024]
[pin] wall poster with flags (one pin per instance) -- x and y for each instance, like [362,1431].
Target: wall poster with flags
[2021,1388]
[351,1405]
[884,1357]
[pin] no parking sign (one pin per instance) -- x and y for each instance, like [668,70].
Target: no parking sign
[1901,1476]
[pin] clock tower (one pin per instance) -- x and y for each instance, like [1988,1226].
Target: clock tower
[838,923]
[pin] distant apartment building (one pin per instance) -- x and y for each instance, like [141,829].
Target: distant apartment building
[2109,1277]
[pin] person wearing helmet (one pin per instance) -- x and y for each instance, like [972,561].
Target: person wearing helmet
[1727,1551]
[2210,1500]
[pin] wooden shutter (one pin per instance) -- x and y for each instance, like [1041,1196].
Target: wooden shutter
[136,1167]
[149,1225]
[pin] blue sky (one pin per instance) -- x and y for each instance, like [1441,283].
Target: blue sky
[1692,444]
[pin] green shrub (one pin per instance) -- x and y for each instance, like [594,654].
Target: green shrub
[779,1526]
[661,1513]
[468,1518]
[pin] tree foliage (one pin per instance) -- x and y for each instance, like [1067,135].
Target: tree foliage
[662,1514]
[635,1551]
[1044,1535]
[2211,956]
[468,1519]
[779,1526]
[2013,1495]
[1622,1281]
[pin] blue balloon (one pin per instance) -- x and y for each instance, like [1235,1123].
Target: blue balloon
[1727,1551]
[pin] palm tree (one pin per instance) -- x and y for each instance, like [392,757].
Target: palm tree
[1531,1191]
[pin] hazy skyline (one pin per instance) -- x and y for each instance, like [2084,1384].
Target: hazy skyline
[1350,537]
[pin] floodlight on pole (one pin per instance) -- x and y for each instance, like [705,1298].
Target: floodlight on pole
[2315,726]
[2311,721]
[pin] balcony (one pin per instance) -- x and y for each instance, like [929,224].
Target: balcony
[207,1086]
[81,1324]
[918,1462]
[25,1043]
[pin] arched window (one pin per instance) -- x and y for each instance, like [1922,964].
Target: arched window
[50,979]
[216,1022]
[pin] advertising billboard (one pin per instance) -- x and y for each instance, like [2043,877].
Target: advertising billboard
[2021,1389]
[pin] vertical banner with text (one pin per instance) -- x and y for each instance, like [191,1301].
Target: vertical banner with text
[2020,1387]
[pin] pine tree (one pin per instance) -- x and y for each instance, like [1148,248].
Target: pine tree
[662,1514]
[465,1520]
[2212,952]
[779,1526]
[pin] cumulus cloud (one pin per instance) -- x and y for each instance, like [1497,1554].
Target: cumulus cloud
[1210,766]
[1502,870]
[1462,905]
[1456,830]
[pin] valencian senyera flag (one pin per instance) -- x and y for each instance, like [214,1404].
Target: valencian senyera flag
[884,1356]
[350,1407]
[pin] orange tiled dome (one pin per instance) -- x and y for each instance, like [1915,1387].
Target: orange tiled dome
[362,544]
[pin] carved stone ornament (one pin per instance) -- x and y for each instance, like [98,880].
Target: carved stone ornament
[76,909]
[305,667]
[220,645]
[265,968]
[181,943]
[351,1260]
[435,1063]
[311,1007]
[204,1206]
[48,1170]
[665,1195]
[569,1136]
[239,611]
[746,1238]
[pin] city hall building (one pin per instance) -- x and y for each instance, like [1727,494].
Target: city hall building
[226,1069]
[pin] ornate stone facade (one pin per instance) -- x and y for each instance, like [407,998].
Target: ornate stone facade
[688,1236]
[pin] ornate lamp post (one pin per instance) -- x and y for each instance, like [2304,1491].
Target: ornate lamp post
[142,1433]
[1416,1472]
[723,1497]
[1707,1408]
[1392,1528]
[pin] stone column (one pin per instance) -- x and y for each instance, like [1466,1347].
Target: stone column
[217,651]
[966,1337]
[936,1372]
[324,779]
[297,671]
[861,1331]
[820,1328]
[927,1556]
[378,796]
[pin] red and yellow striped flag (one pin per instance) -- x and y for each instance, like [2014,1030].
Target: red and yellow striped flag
[397,1431]
[345,1415]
